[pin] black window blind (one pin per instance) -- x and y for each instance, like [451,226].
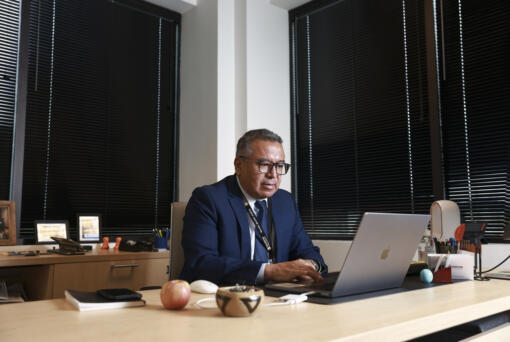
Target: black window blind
[362,124]
[9,26]
[361,113]
[101,113]
[476,102]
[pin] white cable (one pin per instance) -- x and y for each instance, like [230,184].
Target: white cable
[203,300]
[284,300]
[289,299]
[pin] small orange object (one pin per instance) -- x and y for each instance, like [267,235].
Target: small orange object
[118,239]
[105,245]
[459,232]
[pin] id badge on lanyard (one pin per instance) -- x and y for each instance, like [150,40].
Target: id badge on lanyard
[259,231]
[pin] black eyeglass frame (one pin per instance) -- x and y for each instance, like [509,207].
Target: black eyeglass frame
[271,165]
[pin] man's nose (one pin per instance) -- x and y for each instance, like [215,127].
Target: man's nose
[271,173]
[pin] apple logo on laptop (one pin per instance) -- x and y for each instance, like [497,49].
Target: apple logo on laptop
[385,253]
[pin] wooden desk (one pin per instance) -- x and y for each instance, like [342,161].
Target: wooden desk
[47,276]
[394,317]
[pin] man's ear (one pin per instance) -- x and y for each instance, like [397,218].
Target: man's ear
[237,165]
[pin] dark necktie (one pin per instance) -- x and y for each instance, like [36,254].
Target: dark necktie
[260,250]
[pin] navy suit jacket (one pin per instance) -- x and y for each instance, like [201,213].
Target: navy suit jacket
[216,237]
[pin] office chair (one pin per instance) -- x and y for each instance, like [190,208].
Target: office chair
[176,252]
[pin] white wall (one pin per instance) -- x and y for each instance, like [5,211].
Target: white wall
[333,252]
[493,254]
[240,77]
[227,94]
[199,98]
[234,77]
[267,72]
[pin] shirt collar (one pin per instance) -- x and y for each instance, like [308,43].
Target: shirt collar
[251,200]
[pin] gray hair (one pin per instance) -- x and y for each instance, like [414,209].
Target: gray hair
[244,143]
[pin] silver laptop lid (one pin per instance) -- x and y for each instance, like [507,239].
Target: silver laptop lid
[380,253]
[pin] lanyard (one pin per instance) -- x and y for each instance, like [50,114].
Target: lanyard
[261,236]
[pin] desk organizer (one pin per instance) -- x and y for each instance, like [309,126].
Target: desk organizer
[443,275]
[462,265]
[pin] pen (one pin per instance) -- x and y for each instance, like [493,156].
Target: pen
[436,243]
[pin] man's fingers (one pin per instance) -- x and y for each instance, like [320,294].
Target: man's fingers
[292,271]
[316,276]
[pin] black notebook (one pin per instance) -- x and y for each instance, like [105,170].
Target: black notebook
[85,301]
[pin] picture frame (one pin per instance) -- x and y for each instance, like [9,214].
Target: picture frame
[7,223]
[45,229]
[89,227]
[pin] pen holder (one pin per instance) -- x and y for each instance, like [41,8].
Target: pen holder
[447,249]
[461,265]
[160,243]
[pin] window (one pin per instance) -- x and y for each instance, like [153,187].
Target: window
[9,24]
[476,107]
[101,115]
[361,117]
[369,121]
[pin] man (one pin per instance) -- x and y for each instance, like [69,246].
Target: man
[245,230]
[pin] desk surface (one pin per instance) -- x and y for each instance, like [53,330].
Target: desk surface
[389,318]
[94,255]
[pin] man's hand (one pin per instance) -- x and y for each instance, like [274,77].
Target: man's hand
[291,271]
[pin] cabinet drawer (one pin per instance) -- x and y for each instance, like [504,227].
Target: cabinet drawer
[91,276]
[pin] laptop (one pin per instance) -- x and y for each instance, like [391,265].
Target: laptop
[378,258]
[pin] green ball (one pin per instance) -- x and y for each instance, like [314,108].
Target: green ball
[426,276]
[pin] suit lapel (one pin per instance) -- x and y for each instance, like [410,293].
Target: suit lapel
[279,226]
[236,202]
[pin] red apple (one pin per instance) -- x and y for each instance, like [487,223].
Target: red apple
[175,294]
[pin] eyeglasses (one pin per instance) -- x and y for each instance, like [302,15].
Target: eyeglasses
[266,166]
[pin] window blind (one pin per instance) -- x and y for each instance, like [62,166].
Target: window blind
[101,112]
[9,26]
[360,113]
[358,74]
[476,102]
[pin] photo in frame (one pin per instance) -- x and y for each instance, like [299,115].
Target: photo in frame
[7,223]
[89,227]
[45,229]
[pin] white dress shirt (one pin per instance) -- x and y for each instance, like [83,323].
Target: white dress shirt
[251,202]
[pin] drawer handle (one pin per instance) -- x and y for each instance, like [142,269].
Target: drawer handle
[124,266]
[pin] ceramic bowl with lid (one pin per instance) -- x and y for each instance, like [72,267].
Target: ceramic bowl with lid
[239,300]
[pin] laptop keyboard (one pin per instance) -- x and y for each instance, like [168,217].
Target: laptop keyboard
[326,284]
